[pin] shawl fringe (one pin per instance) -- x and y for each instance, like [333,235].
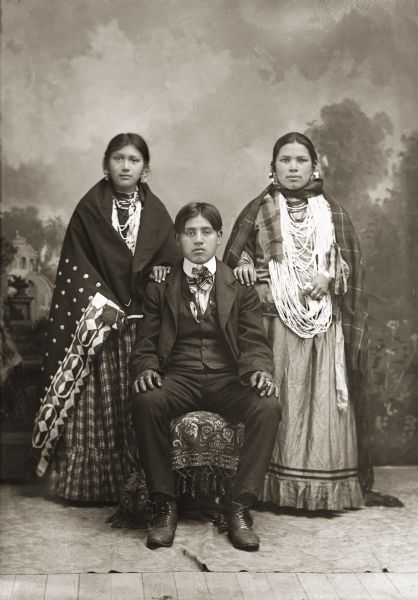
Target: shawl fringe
[353,307]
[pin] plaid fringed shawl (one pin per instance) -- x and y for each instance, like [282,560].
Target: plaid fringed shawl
[353,303]
[353,307]
[243,230]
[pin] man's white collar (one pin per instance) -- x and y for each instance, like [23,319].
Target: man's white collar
[188,266]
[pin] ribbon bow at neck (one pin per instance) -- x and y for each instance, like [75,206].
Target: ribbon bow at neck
[202,279]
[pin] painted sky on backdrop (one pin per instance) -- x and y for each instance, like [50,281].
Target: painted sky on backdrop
[210,85]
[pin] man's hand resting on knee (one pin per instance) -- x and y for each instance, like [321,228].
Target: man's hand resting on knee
[264,383]
[148,380]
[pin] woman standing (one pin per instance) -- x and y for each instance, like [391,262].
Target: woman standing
[299,248]
[119,234]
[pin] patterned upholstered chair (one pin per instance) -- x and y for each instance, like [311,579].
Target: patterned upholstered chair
[204,453]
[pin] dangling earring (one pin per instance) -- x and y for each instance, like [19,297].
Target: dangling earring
[316,173]
[106,175]
[145,174]
[273,176]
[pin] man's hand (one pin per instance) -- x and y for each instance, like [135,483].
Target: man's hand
[159,273]
[264,383]
[246,274]
[149,380]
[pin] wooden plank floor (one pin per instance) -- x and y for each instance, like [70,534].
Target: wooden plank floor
[211,586]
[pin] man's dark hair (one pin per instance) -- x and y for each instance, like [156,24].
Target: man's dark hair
[196,209]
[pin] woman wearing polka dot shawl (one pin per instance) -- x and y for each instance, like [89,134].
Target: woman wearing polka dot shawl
[119,235]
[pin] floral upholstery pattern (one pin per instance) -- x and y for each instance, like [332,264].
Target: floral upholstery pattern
[203,438]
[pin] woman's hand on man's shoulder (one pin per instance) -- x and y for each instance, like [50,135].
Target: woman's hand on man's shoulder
[159,273]
[246,274]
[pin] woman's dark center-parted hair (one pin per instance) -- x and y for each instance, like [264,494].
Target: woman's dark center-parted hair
[291,137]
[196,209]
[126,139]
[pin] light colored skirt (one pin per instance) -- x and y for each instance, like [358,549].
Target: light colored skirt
[97,451]
[314,462]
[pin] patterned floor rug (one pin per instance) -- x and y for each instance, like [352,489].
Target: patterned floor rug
[41,536]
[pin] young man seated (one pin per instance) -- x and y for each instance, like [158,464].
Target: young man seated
[202,347]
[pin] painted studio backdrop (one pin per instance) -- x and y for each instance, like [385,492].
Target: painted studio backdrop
[211,85]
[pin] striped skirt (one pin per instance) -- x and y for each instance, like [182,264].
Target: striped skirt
[314,462]
[97,451]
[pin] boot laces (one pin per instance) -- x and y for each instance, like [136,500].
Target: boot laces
[162,514]
[244,517]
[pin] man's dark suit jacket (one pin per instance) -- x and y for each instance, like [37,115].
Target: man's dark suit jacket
[240,319]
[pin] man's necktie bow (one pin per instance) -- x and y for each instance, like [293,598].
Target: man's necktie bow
[201,279]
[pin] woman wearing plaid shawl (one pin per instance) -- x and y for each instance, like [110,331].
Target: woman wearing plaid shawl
[300,250]
[118,235]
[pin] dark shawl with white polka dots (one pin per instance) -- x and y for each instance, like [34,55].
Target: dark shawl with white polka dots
[99,284]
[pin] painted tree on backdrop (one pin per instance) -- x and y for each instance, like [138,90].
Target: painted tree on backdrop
[403,209]
[357,160]
[353,148]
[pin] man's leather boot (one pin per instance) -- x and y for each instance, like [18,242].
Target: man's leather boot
[239,528]
[164,525]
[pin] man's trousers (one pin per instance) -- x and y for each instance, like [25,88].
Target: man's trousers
[186,391]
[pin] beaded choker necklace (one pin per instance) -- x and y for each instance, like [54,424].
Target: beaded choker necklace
[297,207]
[124,200]
[294,206]
[126,216]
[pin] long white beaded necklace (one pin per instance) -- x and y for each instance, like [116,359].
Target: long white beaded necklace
[129,230]
[305,245]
